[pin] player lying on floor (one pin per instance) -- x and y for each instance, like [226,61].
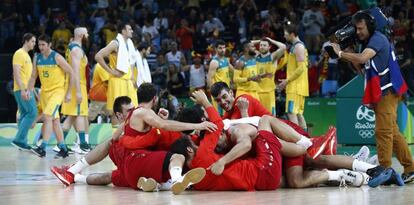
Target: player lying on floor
[304,178]
[130,163]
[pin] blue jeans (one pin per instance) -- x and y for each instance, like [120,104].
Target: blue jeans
[28,114]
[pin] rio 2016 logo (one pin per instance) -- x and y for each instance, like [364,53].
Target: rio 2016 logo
[365,113]
[365,128]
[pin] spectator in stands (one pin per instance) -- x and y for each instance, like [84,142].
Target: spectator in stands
[232,28]
[98,19]
[212,23]
[250,9]
[159,72]
[169,102]
[61,37]
[152,30]
[197,73]
[175,81]
[161,24]
[175,56]
[242,26]
[109,31]
[313,22]
[184,36]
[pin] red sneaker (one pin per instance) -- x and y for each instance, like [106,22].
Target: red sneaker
[331,147]
[319,144]
[63,175]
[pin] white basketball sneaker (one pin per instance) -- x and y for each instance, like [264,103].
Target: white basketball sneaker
[362,154]
[351,178]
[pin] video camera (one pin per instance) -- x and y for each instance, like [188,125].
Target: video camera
[346,34]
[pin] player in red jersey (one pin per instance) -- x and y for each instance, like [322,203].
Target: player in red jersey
[296,176]
[129,162]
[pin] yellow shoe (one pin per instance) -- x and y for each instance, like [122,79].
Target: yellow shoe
[191,177]
[147,185]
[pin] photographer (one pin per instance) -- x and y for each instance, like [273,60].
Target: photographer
[383,90]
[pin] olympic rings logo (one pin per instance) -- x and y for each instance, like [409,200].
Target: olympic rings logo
[366,133]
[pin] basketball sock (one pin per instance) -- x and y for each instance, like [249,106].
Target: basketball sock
[43,145]
[361,166]
[78,166]
[80,178]
[175,173]
[166,186]
[62,145]
[333,175]
[65,134]
[87,138]
[82,137]
[304,141]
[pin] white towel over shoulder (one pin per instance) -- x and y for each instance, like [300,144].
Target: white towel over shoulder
[126,54]
[143,74]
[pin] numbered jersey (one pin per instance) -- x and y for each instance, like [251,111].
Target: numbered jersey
[249,70]
[223,71]
[266,65]
[51,75]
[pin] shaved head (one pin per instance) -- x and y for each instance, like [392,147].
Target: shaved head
[79,31]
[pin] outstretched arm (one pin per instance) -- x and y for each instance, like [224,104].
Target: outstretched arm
[242,134]
[154,120]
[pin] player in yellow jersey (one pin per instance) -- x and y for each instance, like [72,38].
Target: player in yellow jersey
[219,70]
[267,68]
[76,109]
[51,68]
[246,76]
[22,70]
[99,84]
[120,83]
[296,82]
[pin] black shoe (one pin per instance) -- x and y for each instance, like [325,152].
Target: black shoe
[85,147]
[63,153]
[40,152]
[57,149]
[408,178]
[373,172]
[21,146]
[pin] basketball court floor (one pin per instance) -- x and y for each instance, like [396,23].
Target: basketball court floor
[26,179]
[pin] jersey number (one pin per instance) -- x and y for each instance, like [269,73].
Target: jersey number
[45,73]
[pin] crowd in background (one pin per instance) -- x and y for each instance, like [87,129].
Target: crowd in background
[182,32]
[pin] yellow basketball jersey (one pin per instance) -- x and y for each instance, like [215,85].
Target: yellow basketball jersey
[99,75]
[83,63]
[265,65]
[299,85]
[222,71]
[50,74]
[112,63]
[249,70]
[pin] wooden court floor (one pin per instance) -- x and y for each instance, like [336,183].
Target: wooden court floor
[26,179]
